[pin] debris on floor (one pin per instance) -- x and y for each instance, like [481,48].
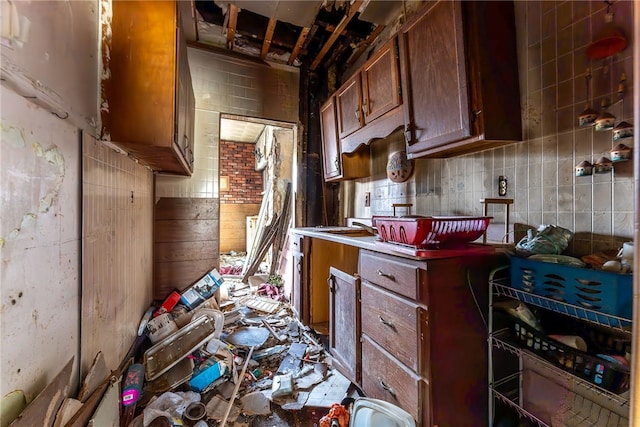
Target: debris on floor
[237,358]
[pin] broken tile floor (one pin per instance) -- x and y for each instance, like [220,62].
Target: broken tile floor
[288,380]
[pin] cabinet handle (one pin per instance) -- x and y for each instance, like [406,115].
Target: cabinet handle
[365,107]
[336,162]
[386,323]
[387,275]
[331,284]
[407,134]
[386,387]
[357,114]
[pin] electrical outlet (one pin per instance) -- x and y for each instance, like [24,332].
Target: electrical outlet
[502,185]
[367,199]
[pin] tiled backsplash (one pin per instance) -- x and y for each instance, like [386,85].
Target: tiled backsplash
[552,38]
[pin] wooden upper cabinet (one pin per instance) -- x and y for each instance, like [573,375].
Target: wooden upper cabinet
[338,166]
[459,75]
[330,145]
[349,103]
[149,95]
[380,83]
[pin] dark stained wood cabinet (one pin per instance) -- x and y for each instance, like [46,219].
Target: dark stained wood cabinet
[349,106]
[149,101]
[344,323]
[376,87]
[337,166]
[424,336]
[330,144]
[381,82]
[371,92]
[459,77]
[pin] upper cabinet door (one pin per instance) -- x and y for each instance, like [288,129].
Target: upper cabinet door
[434,78]
[349,103]
[459,70]
[381,83]
[330,147]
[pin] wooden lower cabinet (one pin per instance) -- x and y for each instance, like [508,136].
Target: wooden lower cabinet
[424,334]
[385,378]
[344,323]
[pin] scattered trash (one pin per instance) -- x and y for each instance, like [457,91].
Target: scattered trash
[282,385]
[207,363]
[248,336]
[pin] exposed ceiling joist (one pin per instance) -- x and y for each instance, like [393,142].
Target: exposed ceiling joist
[231,25]
[353,9]
[267,37]
[363,46]
[296,49]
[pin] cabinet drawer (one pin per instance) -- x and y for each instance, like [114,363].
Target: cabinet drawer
[393,273]
[385,378]
[394,323]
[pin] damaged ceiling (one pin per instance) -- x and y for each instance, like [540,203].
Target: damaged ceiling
[313,33]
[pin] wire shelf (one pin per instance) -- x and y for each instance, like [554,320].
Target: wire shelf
[499,340]
[501,288]
[507,390]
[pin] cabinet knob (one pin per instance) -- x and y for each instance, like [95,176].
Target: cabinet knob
[386,323]
[386,387]
[387,275]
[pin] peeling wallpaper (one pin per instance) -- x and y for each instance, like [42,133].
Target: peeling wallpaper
[40,246]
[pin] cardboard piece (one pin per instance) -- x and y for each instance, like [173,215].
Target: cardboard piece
[43,409]
[98,372]
[67,410]
[108,410]
[202,290]
[82,417]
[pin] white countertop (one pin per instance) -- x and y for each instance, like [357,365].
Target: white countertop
[342,235]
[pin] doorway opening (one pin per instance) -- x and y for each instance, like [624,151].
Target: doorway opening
[257,192]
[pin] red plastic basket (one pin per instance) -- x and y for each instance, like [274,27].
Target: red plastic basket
[430,232]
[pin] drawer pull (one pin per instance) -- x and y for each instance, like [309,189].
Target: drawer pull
[387,275]
[386,387]
[386,323]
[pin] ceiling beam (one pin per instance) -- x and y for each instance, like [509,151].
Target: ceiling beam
[334,36]
[267,37]
[231,25]
[364,45]
[296,49]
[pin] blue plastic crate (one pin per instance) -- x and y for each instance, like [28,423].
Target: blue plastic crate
[596,290]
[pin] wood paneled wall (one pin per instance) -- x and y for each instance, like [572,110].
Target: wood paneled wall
[117,230]
[186,242]
[233,225]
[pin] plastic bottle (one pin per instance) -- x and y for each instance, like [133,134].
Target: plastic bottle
[133,383]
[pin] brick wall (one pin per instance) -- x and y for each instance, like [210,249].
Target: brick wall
[237,162]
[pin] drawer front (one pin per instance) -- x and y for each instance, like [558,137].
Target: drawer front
[392,322]
[393,273]
[385,378]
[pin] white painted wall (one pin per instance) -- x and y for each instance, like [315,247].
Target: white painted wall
[50,51]
[50,64]
[39,244]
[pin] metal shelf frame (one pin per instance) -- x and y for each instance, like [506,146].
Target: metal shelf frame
[509,389]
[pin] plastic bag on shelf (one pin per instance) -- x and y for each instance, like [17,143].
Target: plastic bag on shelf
[549,239]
